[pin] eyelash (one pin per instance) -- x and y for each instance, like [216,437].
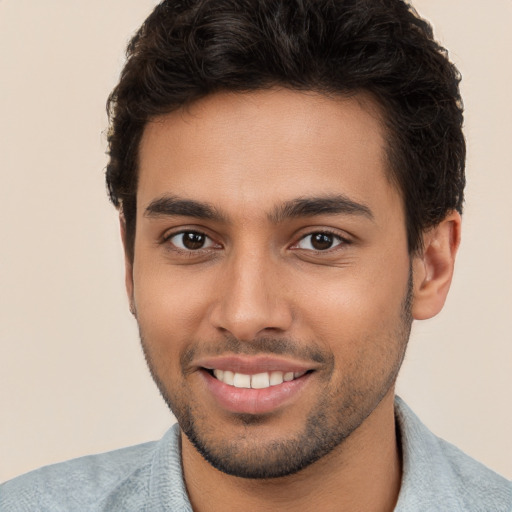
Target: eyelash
[167,240]
[342,241]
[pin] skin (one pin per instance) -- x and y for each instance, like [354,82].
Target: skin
[258,286]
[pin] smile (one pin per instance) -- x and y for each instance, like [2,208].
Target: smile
[254,391]
[255,381]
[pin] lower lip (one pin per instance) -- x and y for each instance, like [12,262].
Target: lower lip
[254,401]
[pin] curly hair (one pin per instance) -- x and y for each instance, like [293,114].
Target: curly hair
[187,49]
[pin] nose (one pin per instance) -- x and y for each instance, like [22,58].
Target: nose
[251,299]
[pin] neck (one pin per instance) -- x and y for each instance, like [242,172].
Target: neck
[362,473]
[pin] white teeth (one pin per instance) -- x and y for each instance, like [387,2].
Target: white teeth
[276,378]
[242,381]
[256,381]
[229,378]
[260,381]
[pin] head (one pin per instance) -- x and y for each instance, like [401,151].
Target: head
[288,175]
[187,50]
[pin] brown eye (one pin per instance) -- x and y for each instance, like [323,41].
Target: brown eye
[191,241]
[319,241]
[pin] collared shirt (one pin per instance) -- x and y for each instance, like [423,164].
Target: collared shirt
[437,477]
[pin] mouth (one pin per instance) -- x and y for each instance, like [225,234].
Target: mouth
[261,380]
[254,385]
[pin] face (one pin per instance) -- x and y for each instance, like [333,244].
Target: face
[271,277]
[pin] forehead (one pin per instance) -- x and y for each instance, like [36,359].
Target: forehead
[248,151]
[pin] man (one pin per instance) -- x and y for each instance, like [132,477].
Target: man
[290,178]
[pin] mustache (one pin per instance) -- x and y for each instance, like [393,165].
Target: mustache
[268,345]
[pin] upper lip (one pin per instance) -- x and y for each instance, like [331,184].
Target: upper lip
[253,364]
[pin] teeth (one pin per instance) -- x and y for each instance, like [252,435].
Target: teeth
[242,381]
[260,381]
[276,378]
[229,378]
[256,381]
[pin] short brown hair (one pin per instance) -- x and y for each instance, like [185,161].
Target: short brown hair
[187,49]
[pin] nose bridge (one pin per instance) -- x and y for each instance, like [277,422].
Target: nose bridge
[251,299]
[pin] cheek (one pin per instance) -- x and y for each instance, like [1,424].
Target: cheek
[357,307]
[170,304]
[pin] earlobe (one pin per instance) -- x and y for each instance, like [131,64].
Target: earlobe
[128,265]
[433,268]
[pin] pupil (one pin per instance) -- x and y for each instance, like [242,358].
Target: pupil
[321,241]
[193,240]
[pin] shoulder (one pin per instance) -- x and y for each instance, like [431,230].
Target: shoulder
[478,486]
[94,482]
[439,476]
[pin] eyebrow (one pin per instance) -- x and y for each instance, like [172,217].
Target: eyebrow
[168,206]
[323,205]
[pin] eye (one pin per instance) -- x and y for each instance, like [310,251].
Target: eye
[191,241]
[320,241]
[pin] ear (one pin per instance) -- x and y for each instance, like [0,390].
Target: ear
[433,268]
[128,265]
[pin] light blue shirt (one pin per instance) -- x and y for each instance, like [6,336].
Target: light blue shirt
[437,477]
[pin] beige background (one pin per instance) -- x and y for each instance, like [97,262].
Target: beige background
[72,377]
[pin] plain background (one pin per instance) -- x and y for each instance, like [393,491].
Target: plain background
[72,377]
